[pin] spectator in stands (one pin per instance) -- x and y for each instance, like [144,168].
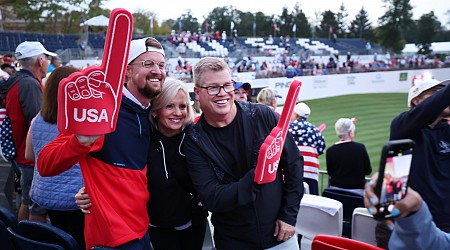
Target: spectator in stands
[23,102]
[268,96]
[235,37]
[414,228]
[56,193]
[55,62]
[119,205]
[426,124]
[310,142]
[245,215]
[241,90]
[347,161]
[181,49]
[224,36]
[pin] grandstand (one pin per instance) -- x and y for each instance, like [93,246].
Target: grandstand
[72,47]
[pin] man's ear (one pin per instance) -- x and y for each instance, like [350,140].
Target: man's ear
[196,91]
[129,72]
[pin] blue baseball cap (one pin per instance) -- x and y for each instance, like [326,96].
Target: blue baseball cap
[245,85]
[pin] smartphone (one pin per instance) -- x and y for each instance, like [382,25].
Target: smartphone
[396,158]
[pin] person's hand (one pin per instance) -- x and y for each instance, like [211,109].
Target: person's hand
[82,200]
[283,231]
[409,204]
[87,140]
[88,101]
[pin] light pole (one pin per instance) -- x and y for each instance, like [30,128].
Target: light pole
[254,24]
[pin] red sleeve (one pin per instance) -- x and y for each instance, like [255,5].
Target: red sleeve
[62,153]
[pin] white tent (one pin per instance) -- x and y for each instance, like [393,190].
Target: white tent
[96,21]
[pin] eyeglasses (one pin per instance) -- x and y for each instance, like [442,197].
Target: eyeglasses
[150,64]
[214,90]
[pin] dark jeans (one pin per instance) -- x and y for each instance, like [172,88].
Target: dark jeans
[71,222]
[142,244]
[190,238]
[313,186]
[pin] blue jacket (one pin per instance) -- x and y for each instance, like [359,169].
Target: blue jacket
[56,192]
[418,231]
[244,213]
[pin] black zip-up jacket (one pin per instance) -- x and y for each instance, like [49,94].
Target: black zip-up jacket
[244,213]
[169,184]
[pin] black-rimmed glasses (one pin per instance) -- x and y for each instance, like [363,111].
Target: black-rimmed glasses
[214,90]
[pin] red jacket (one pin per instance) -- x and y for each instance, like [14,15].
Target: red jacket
[114,171]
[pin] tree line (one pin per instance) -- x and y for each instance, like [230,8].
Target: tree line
[395,28]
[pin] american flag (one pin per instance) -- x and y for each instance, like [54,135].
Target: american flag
[2,115]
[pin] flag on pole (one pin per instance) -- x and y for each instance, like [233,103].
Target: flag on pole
[232,25]
[331,29]
[254,26]
[206,25]
[275,27]
[151,22]
[294,28]
[180,25]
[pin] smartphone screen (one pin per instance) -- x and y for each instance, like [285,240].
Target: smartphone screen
[394,174]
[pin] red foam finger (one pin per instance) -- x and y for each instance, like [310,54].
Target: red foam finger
[89,101]
[270,151]
[117,46]
[322,127]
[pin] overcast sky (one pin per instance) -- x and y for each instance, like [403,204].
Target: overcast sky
[173,9]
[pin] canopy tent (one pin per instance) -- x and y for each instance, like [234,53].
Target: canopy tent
[96,21]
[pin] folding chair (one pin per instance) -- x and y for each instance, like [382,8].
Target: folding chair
[350,201]
[46,233]
[318,215]
[330,242]
[26,243]
[363,226]
[8,218]
[5,238]
[306,188]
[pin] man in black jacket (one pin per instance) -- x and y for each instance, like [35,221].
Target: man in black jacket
[222,151]
[426,123]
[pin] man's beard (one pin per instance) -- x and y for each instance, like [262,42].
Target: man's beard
[148,92]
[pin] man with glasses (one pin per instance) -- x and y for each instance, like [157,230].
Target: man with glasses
[222,151]
[23,101]
[114,165]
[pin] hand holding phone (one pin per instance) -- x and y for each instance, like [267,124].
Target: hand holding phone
[392,184]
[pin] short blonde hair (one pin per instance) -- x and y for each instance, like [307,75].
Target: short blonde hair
[266,95]
[343,126]
[208,64]
[169,90]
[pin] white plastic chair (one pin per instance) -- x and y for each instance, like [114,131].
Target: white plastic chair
[306,188]
[363,226]
[318,215]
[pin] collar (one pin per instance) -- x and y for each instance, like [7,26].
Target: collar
[130,96]
[27,72]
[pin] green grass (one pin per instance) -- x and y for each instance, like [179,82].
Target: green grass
[373,111]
